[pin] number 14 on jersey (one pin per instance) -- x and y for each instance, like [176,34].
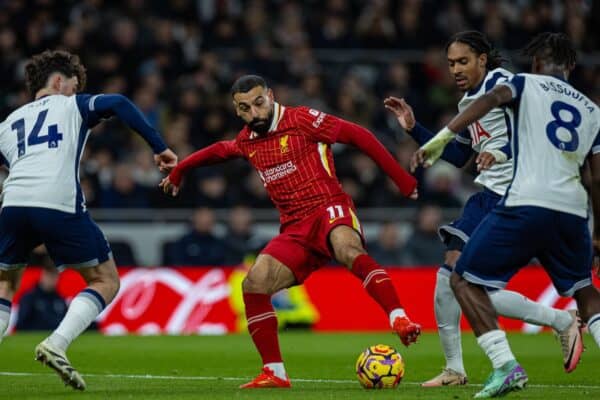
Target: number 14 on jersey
[34,138]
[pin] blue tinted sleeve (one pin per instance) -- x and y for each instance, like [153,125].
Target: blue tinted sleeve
[94,108]
[457,152]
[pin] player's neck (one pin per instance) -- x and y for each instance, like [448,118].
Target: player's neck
[556,71]
[45,92]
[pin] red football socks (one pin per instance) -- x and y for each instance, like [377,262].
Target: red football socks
[377,282]
[262,325]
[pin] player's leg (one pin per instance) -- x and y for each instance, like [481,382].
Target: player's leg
[588,303]
[493,254]
[266,277]
[567,258]
[78,244]
[447,315]
[102,286]
[9,283]
[348,249]
[16,241]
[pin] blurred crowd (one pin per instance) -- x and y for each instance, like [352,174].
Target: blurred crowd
[177,60]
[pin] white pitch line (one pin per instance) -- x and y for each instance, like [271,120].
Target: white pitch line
[231,378]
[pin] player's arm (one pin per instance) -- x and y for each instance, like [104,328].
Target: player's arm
[364,140]
[213,154]
[95,108]
[457,152]
[594,162]
[501,94]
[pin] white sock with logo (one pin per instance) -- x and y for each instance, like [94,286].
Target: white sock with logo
[514,305]
[447,315]
[496,347]
[278,369]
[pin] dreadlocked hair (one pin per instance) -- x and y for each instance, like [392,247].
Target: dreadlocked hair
[555,48]
[41,66]
[480,45]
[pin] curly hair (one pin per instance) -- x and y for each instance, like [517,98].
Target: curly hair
[41,66]
[555,48]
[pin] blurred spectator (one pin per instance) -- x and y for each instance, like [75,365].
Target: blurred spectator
[199,246]
[124,192]
[42,308]
[441,180]
[239,239]
[388,250]
[424,247]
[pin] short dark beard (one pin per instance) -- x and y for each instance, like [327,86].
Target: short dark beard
[263,124]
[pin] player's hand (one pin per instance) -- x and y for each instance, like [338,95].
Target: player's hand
[166,161]
[402,110]
[168,187]
[414,195]
[485,161]
[418,159]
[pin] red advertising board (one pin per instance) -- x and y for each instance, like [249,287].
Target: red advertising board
[208,300]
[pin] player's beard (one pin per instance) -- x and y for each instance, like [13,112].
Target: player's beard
[261,125]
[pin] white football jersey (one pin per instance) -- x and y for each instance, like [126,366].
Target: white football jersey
[42,143]
[554,129]
[489,133]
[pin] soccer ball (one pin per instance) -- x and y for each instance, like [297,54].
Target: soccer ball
[379,367]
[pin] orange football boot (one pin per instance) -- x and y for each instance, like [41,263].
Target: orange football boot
[407,330]
[267,379]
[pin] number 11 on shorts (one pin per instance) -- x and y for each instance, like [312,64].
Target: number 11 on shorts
[335,212]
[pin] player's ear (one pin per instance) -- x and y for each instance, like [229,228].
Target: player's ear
[482,60]
[270,95]
[55,81]
[235,107]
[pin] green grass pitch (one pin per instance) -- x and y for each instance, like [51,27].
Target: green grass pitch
[320,365]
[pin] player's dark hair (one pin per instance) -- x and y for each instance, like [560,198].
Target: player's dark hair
[480,45]
[552,48]
[41,66]
[246,83]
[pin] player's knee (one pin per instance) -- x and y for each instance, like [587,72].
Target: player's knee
[348,253]
[253,284]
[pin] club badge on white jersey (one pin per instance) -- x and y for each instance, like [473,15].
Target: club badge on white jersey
[489,133]
[555,127]
[42,143]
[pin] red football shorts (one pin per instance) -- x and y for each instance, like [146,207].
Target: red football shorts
[303,247]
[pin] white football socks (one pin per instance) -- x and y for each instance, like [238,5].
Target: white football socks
[496,347]
[593,325]
[514,305]
[447,315]
[278,370]
[84,308]
[5,306]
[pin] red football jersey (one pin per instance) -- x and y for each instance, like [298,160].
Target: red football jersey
[294,160]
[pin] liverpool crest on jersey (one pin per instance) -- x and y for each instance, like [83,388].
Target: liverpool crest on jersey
[283,144]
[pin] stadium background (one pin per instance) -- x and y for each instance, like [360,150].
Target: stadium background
[176,60]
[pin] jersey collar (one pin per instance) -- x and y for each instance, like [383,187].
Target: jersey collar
[278,111]
[476,89]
